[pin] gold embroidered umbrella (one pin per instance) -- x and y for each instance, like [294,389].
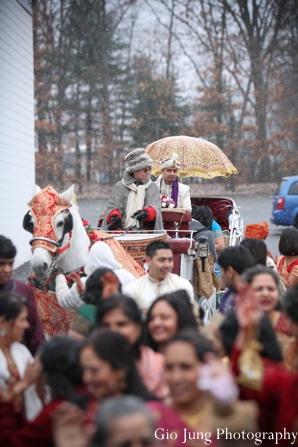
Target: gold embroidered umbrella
[197,157]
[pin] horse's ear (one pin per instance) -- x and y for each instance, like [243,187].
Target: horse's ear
[68,194]
[36,190]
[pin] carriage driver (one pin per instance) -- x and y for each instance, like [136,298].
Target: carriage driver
[169,186]
[135,198]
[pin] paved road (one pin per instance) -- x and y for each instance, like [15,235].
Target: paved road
[254,209]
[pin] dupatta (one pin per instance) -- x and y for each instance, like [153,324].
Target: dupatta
[172,431]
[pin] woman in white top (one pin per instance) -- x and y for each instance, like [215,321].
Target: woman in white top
[17,372]
[100,256]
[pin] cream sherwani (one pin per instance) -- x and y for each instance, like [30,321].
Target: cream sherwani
[146,289]
[183,193]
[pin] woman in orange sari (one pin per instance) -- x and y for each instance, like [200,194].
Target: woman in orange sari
[287,264]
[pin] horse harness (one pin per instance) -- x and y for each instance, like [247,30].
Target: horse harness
[28,225]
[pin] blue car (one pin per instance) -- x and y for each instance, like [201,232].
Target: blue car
[285,203]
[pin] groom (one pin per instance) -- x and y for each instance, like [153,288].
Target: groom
[169,186]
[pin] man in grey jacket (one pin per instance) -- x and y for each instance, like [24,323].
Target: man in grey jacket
[135,198]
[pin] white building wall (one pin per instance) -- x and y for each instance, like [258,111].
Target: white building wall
[17,165]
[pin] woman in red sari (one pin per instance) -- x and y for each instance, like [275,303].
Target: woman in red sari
[264,284]
[190,416]
[63,376]
[278,389]
[109,367]
[287,264]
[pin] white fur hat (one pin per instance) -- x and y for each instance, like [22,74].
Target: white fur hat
[137,160]
[169,162]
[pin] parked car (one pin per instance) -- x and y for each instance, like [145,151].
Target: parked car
[285,203]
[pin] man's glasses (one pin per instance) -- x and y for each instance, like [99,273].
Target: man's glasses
[147,170]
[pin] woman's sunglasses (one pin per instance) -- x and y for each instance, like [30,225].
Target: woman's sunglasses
[147,170]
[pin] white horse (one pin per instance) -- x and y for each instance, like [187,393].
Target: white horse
[68,244]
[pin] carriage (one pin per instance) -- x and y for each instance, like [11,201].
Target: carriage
[177,233]
[61,240]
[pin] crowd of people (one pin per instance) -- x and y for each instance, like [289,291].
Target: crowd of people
[138,368]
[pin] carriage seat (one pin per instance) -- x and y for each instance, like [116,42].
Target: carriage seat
[221,207]
[180,246]
[178,216]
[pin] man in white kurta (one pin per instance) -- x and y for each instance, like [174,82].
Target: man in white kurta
[169,186]
[159,279]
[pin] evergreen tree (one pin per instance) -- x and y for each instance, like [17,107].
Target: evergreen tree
[96,53]
[157,109]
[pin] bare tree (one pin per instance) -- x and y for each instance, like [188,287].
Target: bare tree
[258,23]
[238,38]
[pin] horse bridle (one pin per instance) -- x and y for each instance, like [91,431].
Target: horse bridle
[55,256]
[56,243]
[68,226]
[28,226]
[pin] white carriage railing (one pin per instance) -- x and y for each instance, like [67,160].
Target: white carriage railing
[139,235]
[236,226]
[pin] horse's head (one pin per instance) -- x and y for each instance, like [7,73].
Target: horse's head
[52,219]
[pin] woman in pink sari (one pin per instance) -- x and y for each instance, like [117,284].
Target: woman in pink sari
[191,416]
